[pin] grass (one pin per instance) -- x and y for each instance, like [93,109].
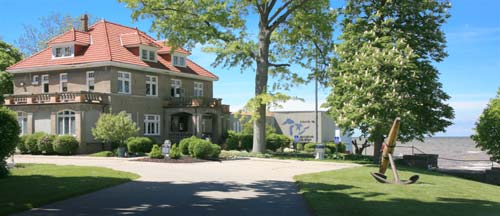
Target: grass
[33,185]
[103,154]
[354,192]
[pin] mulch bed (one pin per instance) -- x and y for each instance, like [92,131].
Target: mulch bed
[182,160]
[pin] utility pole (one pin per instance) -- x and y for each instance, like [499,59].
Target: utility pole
[316,96]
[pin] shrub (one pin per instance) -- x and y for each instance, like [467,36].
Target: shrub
[300,147]
[32,142]
[246,142]
[276,141]
[114,129]
[201,149]
[103,154]
[65,145]
[331,147]
[139,144]
[184,144]
[232,141]
[175,152]
[9,137]
[156,152]
[341,147]
[216,150]
[21,144]
[46,144]
[310,147]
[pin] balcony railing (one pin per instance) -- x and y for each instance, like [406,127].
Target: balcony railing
[57,97]
[192,102]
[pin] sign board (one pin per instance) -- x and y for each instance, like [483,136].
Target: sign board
[165,148]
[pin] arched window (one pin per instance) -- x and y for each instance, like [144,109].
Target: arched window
[66,122]
[22,120]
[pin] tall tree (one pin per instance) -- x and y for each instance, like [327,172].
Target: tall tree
[34,38]
[487,129]
[269,35]
[383,69]
[9,55]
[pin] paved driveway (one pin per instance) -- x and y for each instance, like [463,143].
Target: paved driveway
[238,187]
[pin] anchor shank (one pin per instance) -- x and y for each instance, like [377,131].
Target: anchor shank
[394,170]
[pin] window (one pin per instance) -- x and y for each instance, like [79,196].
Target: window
[151,85]
[175,88]
[62,51]
[35,80]
[198,89]
[179,61]
[66,123]
[151,124]
[22,120]
[63,82]
[45,83]
[148,54]
[124,83]
[90,81]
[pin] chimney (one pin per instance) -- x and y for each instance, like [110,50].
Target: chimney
[85,23]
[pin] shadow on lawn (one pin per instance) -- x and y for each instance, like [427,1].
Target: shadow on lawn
[19,193]
[201,198]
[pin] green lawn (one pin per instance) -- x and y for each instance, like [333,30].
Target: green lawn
[354,192]
[32,185]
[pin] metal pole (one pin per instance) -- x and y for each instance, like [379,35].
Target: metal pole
[316,96]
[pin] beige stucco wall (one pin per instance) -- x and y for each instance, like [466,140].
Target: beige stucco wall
[76,81]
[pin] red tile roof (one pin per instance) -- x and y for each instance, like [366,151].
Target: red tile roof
[106,43]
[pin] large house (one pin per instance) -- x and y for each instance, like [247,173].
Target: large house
[108,67]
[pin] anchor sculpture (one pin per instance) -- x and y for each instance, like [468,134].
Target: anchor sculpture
[387,159]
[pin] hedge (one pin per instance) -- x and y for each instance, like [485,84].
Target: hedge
[46,144]
[156,152]
[139,144]
[66,145]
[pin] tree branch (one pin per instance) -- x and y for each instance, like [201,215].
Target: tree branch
[278,65]
[280,9]
[285,15]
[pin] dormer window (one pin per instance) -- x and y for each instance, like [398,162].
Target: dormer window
[179,61]
[148,54]
[63,51]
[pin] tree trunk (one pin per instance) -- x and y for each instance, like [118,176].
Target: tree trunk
[379,139]
[259,130]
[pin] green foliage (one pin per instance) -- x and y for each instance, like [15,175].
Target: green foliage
[9,55]
[156,152]
[115,129]
[184,144]
[487,131]
[21,144]
[9,137]
[246,142]
[103,154]
[175,152]
[45,143]
[139,144]
[300,146]
[202,149]
[32,142]
[232,141]
[280,40]
[383,69]
[248,128]
[310,147]
[215,152]
[66,145]
[341,147]
[332,147]
[276,141]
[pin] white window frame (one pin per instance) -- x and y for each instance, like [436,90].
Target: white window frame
[70,47]
[67,118]
[88,79]
[176,85]
[198,89]
[150,54]
[61,82]
[43,81]
[35,80]
[22,120]
[147,123]
[153,85]
[122,79]
[179,60]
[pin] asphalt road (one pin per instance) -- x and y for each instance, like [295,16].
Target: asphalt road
[240,187]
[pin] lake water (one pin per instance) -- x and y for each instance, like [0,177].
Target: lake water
[448,149]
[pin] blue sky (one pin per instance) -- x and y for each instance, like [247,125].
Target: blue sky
[471,73]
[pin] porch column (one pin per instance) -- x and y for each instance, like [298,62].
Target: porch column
[53,122]
[31,123]
[167,126]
